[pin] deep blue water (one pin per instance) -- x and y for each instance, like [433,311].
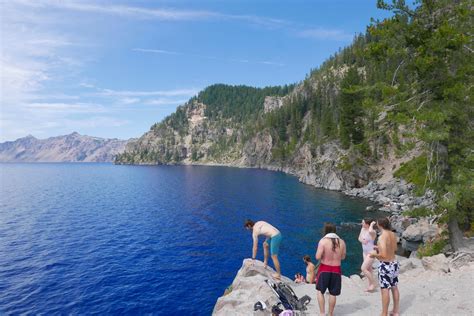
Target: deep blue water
[105,239]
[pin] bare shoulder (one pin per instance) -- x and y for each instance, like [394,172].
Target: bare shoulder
[324,241]
[343,244]
[394,237]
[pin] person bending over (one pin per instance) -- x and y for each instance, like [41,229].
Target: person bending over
[272,241]
[331,251]
[389,268]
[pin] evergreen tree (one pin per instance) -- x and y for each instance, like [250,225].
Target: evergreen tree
[351,124]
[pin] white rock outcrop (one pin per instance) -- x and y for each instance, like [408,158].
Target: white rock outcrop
[422,292]
[272,103]
[436,263]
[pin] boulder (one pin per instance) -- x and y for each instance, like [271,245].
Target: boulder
[421,231]
[248,287]
[396,191]
[436,263]
[410,245]
[460,259]
[410,264]
[400,223]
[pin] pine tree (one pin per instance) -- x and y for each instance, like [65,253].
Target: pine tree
[351,124]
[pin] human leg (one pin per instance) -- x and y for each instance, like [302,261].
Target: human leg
[385,301]
[276,263]
[321,303]
[275,249]
[332,304]
[396,301]
[266,249]
[367,270]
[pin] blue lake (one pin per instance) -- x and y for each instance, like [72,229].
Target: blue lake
[166,240]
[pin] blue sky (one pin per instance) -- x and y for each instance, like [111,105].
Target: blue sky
[113,68]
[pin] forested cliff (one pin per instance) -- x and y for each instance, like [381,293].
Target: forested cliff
[396,102]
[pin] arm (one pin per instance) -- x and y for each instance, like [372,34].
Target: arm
[320,251]
[372,231]
[360,235]
[255,246]
[343,249]
[382,249]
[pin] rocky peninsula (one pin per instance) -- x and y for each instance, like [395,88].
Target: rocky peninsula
[437,285]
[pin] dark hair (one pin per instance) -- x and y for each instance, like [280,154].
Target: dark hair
[249,223]
[384,223]
[307,258]
[331,228]
[368,220]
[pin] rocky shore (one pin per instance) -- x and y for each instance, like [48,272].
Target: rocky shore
[396,197]
[435,285]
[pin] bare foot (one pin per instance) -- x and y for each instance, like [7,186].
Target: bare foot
[370,289]
[265,265]
[392,313]
[276,276]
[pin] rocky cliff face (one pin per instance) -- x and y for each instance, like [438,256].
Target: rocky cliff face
[68,148]
[201,140]
[272,103]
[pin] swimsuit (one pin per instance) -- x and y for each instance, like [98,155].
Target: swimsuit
[369,246]
[388,274]
[274,243]
[329,278]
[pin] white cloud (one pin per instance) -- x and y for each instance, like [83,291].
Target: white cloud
[156,51]
[235,60]
[163,101]
[123,10]
[129,100]
[132,93]
[272,63]
[31,54]
[65,108]
[165,14]
[325,34]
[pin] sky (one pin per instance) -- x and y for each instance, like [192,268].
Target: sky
[113,68]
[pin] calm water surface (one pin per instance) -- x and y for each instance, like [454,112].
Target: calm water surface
[99,238]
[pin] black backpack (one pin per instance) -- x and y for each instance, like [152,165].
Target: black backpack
[287,296]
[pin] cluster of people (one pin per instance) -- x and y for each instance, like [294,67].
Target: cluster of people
[331,250]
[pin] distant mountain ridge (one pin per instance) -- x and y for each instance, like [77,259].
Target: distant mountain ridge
[66,148]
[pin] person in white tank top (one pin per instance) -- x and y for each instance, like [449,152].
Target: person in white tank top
[367,238]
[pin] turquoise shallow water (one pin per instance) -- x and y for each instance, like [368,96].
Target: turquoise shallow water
[99,238]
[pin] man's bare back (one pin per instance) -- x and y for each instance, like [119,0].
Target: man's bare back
[329,256]
[265,229]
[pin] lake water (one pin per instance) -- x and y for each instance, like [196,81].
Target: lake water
[166,240]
